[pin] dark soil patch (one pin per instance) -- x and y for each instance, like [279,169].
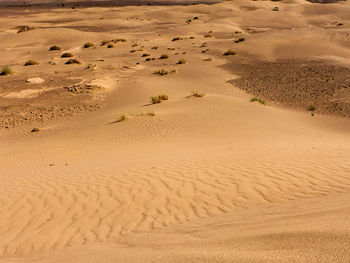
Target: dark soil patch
[298,84]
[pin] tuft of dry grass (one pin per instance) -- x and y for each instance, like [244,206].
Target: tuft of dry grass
[73,61]
[88,44]
[182,61]
[122,117]
[53,48]
[6,70]
[230,52]
[196,94]
[159,98]
[25,29]
[31,63]
[163,72]
[311,108]
[177,38]
[164,56]
[255,99]
[67,55]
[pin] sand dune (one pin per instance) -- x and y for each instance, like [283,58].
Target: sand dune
[192,179]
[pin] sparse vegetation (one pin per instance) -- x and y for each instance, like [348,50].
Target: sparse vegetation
[182,61]
[145,55]
[73,61]
[255,99]
[208,59]
[163,72]
[149,59]
[311,108]
[35,130]
[110,46]
[67,55]
[241,39]
[230,52]
[154,48]
[91,67]
[121,117]
[25,29]
[207,35]
[196,94]
[88,44]
[53,48]
[159,98]
[6,70]
[164,56]
[177,38]
[31,63]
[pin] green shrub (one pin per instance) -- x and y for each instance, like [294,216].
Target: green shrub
[255,99]
[6,71]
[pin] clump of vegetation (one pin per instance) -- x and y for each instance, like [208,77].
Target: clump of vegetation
[182,61]
[145,55]
[105,42]
[255,99]
[91,67]
[241,39]
[6,70]
[25,29]
[196,94]
[207,35]
[118,40]
[230,52]
[110,46]
[121,117]
[149,59]
[159,98]
[134,45]
[164,56]
[73,61]
[88,44]
[311,108]
[177,38]
[154,48]
[35,130]
[31,63]
[163,72]
[67,55]
[53,48]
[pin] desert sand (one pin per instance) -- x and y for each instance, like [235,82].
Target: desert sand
[92,171]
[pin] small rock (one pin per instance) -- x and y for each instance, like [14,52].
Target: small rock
[35,80]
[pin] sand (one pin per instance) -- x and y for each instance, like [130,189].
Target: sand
[216,178]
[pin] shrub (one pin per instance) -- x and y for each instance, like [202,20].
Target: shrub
[67,55]
[25,29]
[240,40]
[164,56]
[255,99]
[6,71]
[229,52]
[182,61]
[156,100]
[197,94]
[145,55]
[207,35]
[154,47]
[73,61]
[35,130]
[312,108]
[163,97]
[118,40]
[177,38]
[31,63]
[149,59]
[88,44]
[161,72]
[121,117]
[110,46]
[52,48]
[105,42]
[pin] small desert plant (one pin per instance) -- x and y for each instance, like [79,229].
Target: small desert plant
[177,38]
[163,72]
[6,71]
[182,61]
[207,35]
[229,52]
[110,46]
[35,130]
[121,117]
[134,45]
[159,98]
[196,94]
[88,44]
[164,56]
[255,99]
[67,55]
[25,28]
[149,59]
[52,48]
[105,42]
[118,40]
[145,55]
[31,63]
[91,66]
[240,40]
[73,61]
[311,108]
[154,48]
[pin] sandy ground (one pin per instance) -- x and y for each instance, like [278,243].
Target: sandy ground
[192,179]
